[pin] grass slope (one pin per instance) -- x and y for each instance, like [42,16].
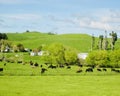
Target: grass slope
[81,42]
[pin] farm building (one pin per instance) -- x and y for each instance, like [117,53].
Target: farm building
[82,55]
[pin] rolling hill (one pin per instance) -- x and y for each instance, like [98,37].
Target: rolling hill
[82,42]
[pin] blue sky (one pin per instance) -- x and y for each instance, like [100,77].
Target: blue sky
[60,16]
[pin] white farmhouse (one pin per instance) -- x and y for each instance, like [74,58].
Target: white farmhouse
[82,55]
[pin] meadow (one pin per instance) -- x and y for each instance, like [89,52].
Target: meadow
[25,80]
[81,42]
[36,39]
[60,85]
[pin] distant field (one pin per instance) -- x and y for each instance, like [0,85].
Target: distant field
[59,85]
[81,42]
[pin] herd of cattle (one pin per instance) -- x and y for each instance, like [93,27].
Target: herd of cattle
[67,66]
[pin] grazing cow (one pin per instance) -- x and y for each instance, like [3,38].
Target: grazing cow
[99,69]
[68,67]
[115,70]
[19,61]
[61,66]
[4,64]
[80,65]
[104,69]
[79,71]
[1,59]
[66,64]
[41,66]
[1,69]
[36,64]
[89,70]
[43,70]
[53,67]
[31,63]
[112,69]
[118,71]
[46,63]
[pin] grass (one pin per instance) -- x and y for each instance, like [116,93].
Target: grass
[23,80]
[60,86]
[82,42]
[36,39]
[15,69]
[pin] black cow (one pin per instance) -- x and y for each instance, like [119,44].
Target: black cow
[80,65]
[112,69]
[61,66]
[1,69]
[1,60]
[31,63]
[99,69]
[79,71]
[115,70]
[118,71]
[53,67]
[4,64]
[36,64]
[104,69]
[41,66]
[19,61]
[43,70]
[68,67]
[89,70]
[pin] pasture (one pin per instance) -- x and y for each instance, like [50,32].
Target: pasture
[16,69]
[22,79]
[81,42]
[60,85]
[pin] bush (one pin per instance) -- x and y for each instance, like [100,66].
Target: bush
[98,58]
[59,54]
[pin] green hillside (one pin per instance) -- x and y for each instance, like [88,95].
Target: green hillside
[82,42]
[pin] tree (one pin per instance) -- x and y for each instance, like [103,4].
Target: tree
[7,45]
[20,47]
[70,56]
[3,36]
[113,39]
[93,42]
[59,54]
[98,58]
[115,58]
[15,48]
[105,41]
[100,42]
[56,53]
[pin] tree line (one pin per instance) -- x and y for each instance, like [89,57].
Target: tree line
[3,36]
[103,41]
[103,58]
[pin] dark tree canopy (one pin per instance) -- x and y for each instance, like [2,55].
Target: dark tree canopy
[3,36]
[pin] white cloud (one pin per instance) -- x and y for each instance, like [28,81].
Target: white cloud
[100,20]
[21,16]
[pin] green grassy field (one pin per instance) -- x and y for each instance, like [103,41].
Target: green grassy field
[81,42]
[15,69]
[59,86]
[24,80]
